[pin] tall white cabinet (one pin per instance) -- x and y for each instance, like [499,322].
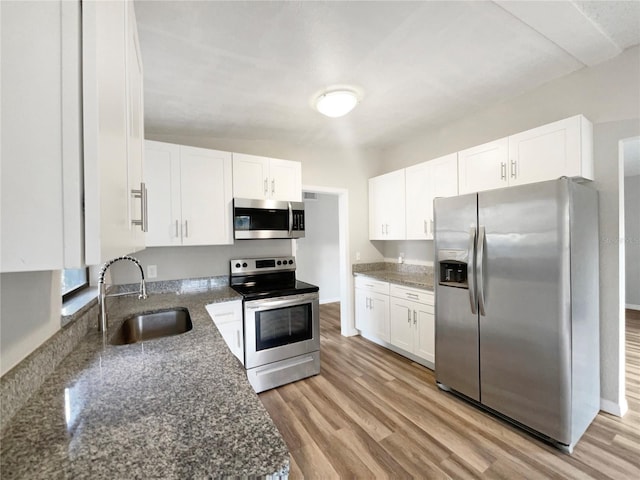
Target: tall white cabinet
[265,178]
[113,130]
[424,182]
[189,195]
[387,206]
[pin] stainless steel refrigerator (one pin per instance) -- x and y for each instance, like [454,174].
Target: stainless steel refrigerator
[517,311]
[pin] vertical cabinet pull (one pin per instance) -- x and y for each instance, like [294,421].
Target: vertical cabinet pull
[273,186]
[186,228]
[415,317]
[266,187]
[514,173]
[141,193]
[503,171]
[409,316]
[425,228]
[177,233]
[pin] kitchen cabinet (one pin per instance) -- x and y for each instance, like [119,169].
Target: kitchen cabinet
[227,317]
[189,195]
[372,307]
[264,178]
[412,321]
[424,182]
[387,206]
[112,126]
[562,148]
[483,167]
[41,117]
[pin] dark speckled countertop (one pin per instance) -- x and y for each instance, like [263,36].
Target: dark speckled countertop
[408,275]
[175,407]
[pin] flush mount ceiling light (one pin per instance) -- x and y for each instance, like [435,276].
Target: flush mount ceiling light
[336,102]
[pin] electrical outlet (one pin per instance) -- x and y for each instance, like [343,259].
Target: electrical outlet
[152,271]
[357,256]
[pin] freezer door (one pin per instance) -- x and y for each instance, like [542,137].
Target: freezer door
[524,289]
[456,347]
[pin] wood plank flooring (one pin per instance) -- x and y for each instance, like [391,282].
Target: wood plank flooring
[374,414]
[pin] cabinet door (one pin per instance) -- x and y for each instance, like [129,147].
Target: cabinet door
[425,332]
[285,182]
[418,200]
[227,317]
[362,310]
[483,167]
[551,151]
[250,176]
[205,179]
[401,323]
[108,231]
[387,206]
[162,177]
[135,127]
[379,314]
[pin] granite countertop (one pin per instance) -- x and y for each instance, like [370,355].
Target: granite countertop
[415,280]
[174,407]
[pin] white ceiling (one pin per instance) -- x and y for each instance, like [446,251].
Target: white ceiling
[248,70]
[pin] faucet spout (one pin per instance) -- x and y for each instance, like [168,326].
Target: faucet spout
[102,295]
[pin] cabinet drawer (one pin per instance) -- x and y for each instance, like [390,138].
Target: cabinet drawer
[414,294]
[372,285]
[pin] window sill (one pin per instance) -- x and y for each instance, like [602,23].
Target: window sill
[76,306]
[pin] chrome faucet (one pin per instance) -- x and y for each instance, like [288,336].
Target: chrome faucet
[102,296]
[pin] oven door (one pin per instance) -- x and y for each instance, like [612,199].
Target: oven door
[280,328]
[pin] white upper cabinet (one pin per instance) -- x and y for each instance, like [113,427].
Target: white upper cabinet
[424,182]
[387,206]
[41,158]
[113,116]
[562,148]
[189,195]
[483,167]
[266,178]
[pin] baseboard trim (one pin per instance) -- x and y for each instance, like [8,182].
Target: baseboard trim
[631,306]
[614,408]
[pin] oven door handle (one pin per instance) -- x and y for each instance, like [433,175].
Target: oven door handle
[289,300]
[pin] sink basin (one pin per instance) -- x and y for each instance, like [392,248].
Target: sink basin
[147,326]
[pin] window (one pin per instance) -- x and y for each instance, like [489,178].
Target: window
[74,280]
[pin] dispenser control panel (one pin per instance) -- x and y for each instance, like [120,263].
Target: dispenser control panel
[453,268]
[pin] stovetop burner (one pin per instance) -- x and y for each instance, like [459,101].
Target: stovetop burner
[256,278]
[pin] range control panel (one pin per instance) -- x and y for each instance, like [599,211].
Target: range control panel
[245,266]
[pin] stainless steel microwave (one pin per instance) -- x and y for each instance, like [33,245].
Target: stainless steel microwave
[267,219]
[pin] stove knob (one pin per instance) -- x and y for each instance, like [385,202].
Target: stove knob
[279,262]
[245,265]
[237,265]
[290,262]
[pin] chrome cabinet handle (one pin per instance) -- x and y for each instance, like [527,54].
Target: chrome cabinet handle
[186,228]
[266,187]
[514,173]
[177,234]
[503,171]
[412,295]
[471,277]
[431,222]
[141,193]
[382,228]
[238,339]
[479,270]
[414,317]
[408,316]
[425,228]
[273,186]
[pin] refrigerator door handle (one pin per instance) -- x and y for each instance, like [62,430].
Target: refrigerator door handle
[471,275]
[480,270]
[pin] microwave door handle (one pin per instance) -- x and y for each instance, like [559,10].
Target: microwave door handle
[290,220]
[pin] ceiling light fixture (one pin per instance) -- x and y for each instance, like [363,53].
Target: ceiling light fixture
[337,103]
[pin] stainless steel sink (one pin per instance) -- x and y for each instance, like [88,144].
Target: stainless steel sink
[147,326]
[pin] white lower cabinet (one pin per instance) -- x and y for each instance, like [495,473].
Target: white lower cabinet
[372,307]
[227,317]
[412,321]
[396,315]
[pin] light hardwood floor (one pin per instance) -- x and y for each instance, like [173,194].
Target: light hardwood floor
[374,414]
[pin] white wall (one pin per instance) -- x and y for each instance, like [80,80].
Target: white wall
[632,240]
[606,94]
[29,313]
[318,254]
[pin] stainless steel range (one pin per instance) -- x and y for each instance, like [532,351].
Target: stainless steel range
[281,321]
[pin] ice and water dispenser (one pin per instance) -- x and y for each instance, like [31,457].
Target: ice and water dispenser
[453,268]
